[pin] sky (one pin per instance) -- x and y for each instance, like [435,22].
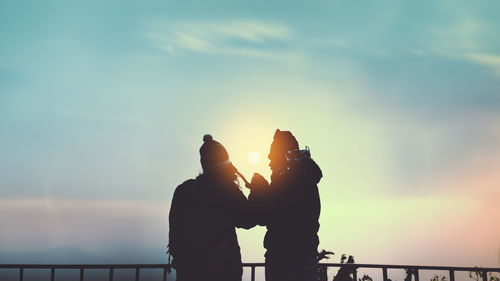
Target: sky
[103,106]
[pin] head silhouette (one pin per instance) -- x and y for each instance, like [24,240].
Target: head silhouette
[283,142]
[215,159]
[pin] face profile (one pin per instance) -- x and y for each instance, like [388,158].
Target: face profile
[283,143]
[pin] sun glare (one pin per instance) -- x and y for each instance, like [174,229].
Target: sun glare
[254,157]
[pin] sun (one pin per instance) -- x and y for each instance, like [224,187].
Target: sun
[254,157]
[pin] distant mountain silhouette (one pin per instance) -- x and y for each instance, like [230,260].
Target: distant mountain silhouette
[136,255]
[70,254]
[74,255]
[62,255]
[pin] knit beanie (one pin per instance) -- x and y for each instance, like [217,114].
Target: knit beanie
[212,154]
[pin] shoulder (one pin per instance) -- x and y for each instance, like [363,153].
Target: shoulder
[185,187]
[189,182]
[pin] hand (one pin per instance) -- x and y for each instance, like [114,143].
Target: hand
[258,182]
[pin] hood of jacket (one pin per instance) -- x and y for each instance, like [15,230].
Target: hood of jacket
[308,171]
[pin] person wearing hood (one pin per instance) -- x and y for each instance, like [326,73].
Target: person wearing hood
[202,220]
[289,207]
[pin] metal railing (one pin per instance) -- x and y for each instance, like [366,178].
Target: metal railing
[352,268]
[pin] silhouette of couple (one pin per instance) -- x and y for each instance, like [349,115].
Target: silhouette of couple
[205,212]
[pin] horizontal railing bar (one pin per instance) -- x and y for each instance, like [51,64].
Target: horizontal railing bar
[162,266]
[419,267]
[86,266]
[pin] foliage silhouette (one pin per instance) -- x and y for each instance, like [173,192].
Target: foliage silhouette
[409,273]
[493,277]
[438,278]
[365,278]
[322,269]
[346,272]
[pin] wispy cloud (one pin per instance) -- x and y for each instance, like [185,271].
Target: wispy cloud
[249,38]
[485,59]
[466,40]
[492,61]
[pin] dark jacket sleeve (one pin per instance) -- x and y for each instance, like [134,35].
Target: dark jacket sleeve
[294,192]
[242,210]
[259,200]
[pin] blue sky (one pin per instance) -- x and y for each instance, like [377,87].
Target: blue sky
[103,106]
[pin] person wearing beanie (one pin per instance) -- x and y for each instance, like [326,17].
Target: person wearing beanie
[203,216]
[289,207]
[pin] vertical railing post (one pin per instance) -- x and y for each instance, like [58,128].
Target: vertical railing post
[416,274]
[21,274]
[137,274]
[252,275]
[384,273]
[165,274]
[355,274]
[452,275]
[52,273]
[485,275]
[82,277]
[111,274]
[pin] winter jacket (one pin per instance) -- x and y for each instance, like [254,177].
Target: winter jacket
[203,216]
[290,210]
